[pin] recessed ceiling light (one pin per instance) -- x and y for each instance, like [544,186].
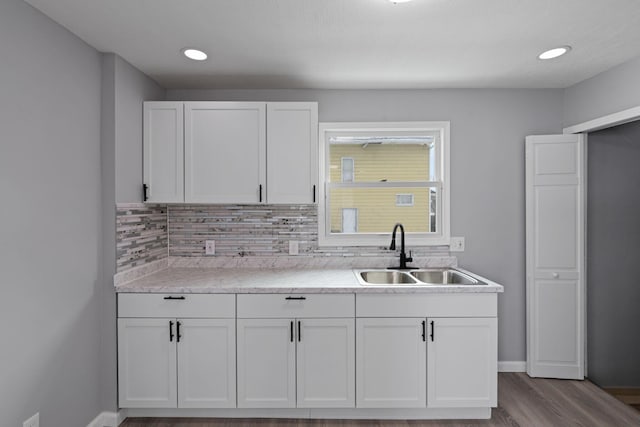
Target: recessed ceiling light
[555,52]
[399,1]
[195,54]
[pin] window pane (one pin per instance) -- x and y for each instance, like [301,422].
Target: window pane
[375,210]
[347,169]
[386,161]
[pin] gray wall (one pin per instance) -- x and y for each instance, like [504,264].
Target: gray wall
[487,168]
[124,88]
[609,92]
[613,246]
[50,221]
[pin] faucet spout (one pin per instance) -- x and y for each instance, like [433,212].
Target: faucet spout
[404,259]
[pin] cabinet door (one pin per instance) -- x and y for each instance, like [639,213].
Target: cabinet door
[326,363]
[555,217]
[292,154]
[207,363]
[462,363]
[146,363]
[163,148]
[225,152]
[390,363]
[266,363]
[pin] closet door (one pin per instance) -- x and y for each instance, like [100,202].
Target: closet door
[555,228]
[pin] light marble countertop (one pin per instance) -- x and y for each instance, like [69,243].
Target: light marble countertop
[254,280]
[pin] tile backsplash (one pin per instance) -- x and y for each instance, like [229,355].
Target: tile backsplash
[258,231]
[147,233]
[141,234]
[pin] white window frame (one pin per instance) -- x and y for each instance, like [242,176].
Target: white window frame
[406,204]
[351,209]
[441,237]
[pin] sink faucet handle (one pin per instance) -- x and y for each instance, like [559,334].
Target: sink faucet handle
[409,258]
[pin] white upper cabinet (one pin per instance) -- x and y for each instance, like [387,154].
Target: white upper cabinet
[225,149]
[292,148]
[163,145]
[231,152]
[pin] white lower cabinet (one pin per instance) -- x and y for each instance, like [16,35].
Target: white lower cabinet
[391,363]
[207,364]
[147,363]
[462,362]
[169,361]
[325,363]
[266,363]
[289,363]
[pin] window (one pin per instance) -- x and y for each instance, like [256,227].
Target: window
[347,169]
[404,199]
[402,176]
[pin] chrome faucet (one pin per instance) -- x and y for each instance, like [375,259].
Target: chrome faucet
[404,259]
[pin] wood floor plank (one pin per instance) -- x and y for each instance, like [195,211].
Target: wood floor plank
[523,402]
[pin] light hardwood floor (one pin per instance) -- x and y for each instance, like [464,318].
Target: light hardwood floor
[523,402]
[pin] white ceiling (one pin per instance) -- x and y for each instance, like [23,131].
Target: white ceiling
[358,43]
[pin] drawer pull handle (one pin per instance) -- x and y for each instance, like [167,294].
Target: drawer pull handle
[175,298]
[291,333]
[296,298]
[170,331]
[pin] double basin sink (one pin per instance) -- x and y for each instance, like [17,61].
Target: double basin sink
[439,276]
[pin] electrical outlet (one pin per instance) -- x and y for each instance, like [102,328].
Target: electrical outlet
[294,247]
[210,247]
[33,421]
[456,244]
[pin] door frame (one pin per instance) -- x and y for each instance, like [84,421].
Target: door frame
[603,122]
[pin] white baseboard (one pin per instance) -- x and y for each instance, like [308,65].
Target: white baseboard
[107,419]
[512,366]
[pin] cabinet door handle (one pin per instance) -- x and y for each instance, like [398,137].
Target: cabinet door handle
[291,333]
[433,330]
[296,298]
[299,332]
[145,189]
[314,193]
[175,298]
[424,330]
[260,193]
[178,336]
[170,331]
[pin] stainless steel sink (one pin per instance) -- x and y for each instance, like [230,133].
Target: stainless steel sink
[386,277]
[444,277]
[426,277]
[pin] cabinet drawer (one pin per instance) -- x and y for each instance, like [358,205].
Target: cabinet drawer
[177,305]
[427,305]
[295,305]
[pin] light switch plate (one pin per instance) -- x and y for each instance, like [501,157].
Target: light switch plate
[294,247]
[456,244]
[33,421]
[210,247]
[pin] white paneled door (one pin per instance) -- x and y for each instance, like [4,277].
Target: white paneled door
[555,223]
